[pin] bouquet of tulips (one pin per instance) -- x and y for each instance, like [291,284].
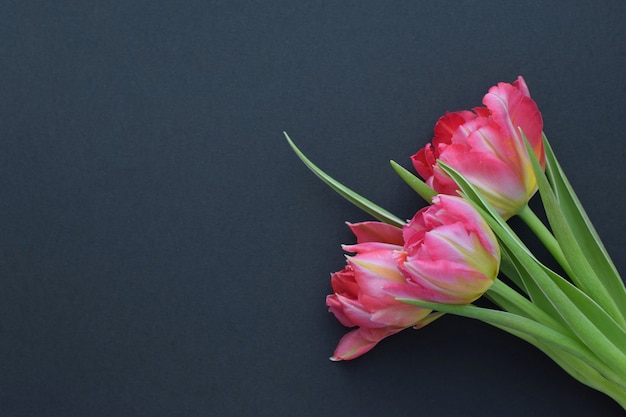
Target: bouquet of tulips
[481,169]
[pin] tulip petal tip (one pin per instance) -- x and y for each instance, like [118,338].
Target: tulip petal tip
[332,358]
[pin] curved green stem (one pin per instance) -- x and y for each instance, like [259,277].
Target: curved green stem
[545,236]
[597,377]
[569,353]
[585,279]
[513,302]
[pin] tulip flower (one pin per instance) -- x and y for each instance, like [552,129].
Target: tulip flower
[485,145]
[359,299]
[408,274]
[450,255]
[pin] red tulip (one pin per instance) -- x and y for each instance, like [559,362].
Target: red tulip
[486,147]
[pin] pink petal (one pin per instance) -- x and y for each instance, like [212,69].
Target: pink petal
[401,315]
[350,312]
[512,110]
[367,247]
[471,219]
[496,181]
[448,124]
[451,242]
[360,341]
[490,138]
[449,278]
[344,283]
[336,307]
[520,84]
[375,266]
[424,160]
[482,111]
[457,207]
[440,181]
[414,291]
[376,232]
[415,230]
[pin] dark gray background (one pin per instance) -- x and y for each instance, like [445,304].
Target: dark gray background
[165,254]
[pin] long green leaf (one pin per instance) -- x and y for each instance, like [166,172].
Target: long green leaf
[591,324]
[510,271]
[604,323]
[515,303]
[583,274]
[415,183]
[356,199]
[573,357]
[598,376]
[535,292]
[583,230]
[509,321]
[575,318]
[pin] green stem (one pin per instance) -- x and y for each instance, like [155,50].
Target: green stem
[510,300]
[585,279]
[513,302]
[593,376]
[545,236]
[521,325]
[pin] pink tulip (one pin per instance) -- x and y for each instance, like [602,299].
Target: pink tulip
[486,147]
[450,254]
[359,299]
[446,254]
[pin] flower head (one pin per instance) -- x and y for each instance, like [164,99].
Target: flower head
[359,299]
[446,254]
[450,254]
[486,147]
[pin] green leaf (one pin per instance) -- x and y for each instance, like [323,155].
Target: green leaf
[545,236]
[513,302]
[591,324]
[591,372]
[511,321]
[596,315]
[587,329]
[583,230]
[536,294]
[356,199]
[415,183]
[566,351]
[510,271]
[582,274]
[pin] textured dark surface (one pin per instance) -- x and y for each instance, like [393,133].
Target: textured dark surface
[163,253]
